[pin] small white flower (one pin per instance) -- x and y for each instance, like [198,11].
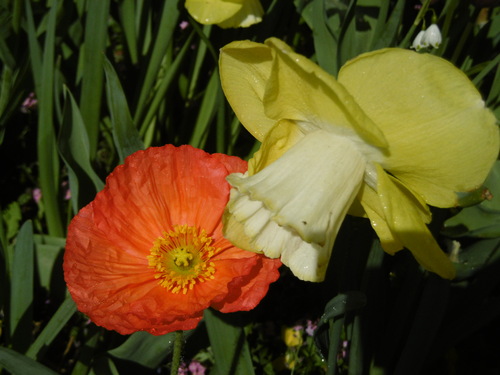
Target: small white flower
[418,42]
[432,36]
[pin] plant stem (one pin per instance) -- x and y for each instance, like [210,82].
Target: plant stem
[176,356]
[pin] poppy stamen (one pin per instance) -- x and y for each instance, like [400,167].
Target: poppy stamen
[181,258]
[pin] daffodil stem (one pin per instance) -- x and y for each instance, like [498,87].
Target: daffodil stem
[176,355]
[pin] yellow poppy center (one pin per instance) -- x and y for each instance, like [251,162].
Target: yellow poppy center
[181,258]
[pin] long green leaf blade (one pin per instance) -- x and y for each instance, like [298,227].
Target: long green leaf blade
[18,364]
[125,134]
[75,150]
[47,152]
[164,34]
[94,45]
[21,303]
[232,355]
[53,327]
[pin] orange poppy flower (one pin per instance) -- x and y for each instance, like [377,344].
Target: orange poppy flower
[148,253]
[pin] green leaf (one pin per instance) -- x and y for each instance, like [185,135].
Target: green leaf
[473,258]
[49,252]
[43,73]
[146,349]
[75,150]
[18,364]
[206,112]
[21,302]
[53,327]
[482,220]
[167,25]
[88,353]
[390,30]
[325,34]
[125,134]
[103,366]
[127,16]
[342,303]
[159,95]
[12,217]
[96,35]
[229,345]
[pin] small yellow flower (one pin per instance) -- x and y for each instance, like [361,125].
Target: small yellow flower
[226,13]
[397,131]
[292,336]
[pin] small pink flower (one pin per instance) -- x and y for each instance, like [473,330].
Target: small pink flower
[66,189]
[29,103]
[37,195]
[182,369]
[184,25]
[311,327]
[196,368]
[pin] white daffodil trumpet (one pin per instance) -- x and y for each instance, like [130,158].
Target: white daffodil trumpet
[397,131]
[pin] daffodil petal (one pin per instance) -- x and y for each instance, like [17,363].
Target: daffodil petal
[249,225]
[405,216]
[245,68]
[372,206]
[211,12]
[442,138]
[294,207]
[250,13]
[300,90]
[234,13]
[280,139]
[265,83]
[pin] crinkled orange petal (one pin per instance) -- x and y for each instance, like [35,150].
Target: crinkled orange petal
[105,264]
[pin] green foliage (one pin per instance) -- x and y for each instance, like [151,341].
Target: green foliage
[483,219]
[83,84]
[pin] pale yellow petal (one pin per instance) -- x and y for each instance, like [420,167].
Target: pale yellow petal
[245,68]
[211,12]
[370,202]
[405,217]
[225,13]
[442,138]
[278,140]
[300,90]
[268,83]
[249,225]
[293,208]
[250,13]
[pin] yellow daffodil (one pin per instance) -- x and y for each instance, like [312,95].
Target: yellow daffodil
[396,132]
[226,13]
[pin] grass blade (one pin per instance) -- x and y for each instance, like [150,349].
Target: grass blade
[75,150]
[159,95]
[93,50]
[125,134]
[232,355]
[21,303]
[18,364]
[206,112]
[127,16]
[167,26]
[43,72]
[53,327]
